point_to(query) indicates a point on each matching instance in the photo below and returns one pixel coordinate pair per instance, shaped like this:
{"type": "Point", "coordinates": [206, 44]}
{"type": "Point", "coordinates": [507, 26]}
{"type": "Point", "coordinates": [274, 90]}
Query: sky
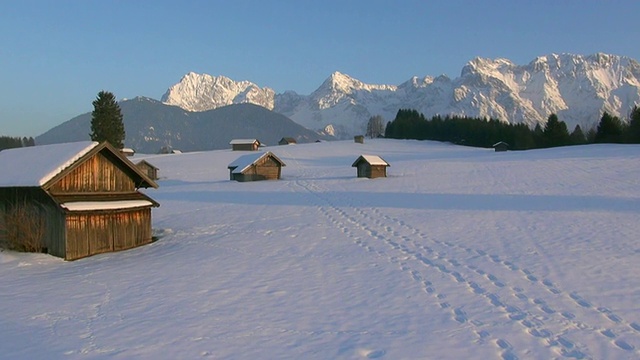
{"type": "Point", "coordinates": [55, 56]}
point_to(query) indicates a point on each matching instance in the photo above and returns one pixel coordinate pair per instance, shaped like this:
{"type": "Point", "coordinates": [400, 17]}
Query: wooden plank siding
{"type": "Point", "coordinates": [364, 170]}
{"type": "Point", "coordinates": [93, 233]}
{"type": "Point", "coordinates": [96, 174]}
{"type": "Point", "coordinates": [371, 171]}
{"type": "Point", "coordinates": [47, 209]}
{"type": "Point", "coordinates": [244, 147]}
{"type": "Point", "coordinates": [148, 169]}
{"type": "Point", "coordinates": [378, 171]}
{"type": "Point", "coordinates": [265, 169]}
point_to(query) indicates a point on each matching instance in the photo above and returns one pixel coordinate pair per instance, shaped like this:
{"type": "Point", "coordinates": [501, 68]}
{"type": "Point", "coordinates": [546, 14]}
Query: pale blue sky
{"type": "Point", "coordinates": [56, 55]}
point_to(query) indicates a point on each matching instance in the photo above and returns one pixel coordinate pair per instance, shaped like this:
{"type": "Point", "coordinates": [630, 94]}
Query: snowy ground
{"type": "Point", "coordinates": [460, 253]}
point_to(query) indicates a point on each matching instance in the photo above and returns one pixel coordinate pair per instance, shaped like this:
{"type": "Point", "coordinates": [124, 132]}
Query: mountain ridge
{"type": "Point", "coordinates": [577, 88]}
{"type": "Point", "coordinates": [151, 125]}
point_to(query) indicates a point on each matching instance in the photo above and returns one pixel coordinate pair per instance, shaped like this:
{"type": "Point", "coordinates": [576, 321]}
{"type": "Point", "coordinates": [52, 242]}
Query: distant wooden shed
{"type": "Point", "coordinates": [169, 150]}
{"type": "Point", "coordinates": [358, 139]}
{"type": "Point", "coordinates": [245, 144]}
{"type": "Point", "coordinates": [287, 141]}
{"type": "Point", "coordinates": [84, 196]}
{"type": "Point", "coordinates": [371, 166]}
{"type": "Point", "coordinates": [149, 169]}
{"type": "Point", "coordinates": [501, 146]}
{"type": "Point", "coordinates": [254, 167]}
{"type": "Point", "coordinates": [128, 151]}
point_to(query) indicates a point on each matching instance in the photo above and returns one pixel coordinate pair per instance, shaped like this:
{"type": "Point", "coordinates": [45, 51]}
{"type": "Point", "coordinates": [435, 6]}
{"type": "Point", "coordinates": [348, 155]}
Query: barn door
{"type": "Point", "coordinates": [88, 234]}
{"type": "Point", "coordinates": [101, 234]}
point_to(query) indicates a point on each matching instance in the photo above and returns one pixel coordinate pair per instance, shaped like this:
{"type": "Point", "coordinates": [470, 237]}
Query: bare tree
{"type": "Point", "coordinates": [375, 126]}
{"type": "Point", "coordinates": [21, 227]}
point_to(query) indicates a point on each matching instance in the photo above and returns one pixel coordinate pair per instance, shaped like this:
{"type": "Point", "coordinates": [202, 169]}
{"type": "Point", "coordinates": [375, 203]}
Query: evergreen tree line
{"type": "Point", "coordinates": [480, 132]}
{"type": "Point", "coordinates": [8, 142]}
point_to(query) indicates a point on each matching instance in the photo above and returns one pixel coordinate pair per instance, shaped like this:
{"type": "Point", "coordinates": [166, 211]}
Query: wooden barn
{"type": "Point", "coordinates": [371, 166]}
{"type": "Point", "coordinates": [358, 139]}
{"type": "Point", "coordinates": [501, 146]}
{"type": "Point", "coordinates": [245, 144]}
{"type": "Point", "coordinates": [287, 141]}
{"type": "Point", "coordinates": [254, 167]}
{"type": "Point", "coordinates": [149, 169]}
{"type": "Point", "coordinates": [84, 196]}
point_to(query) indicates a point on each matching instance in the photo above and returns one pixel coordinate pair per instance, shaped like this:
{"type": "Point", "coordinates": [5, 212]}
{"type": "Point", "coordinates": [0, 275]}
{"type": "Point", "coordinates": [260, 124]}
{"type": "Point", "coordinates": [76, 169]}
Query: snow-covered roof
{"type": "Point", "coordinates": [105, 205]}
{"type": "Point", "coordinates": [243, 162]}
{"type": "Point", "coordinates": [243, 141]}
{"type": "Point", "coordinates": [372, 160]}
{"type": "Point", "coordinates": [36, 165]}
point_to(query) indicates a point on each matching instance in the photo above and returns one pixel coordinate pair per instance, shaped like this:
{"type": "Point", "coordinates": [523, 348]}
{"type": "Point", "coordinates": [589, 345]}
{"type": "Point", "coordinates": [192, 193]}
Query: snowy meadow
{"type": "Point", "coordinates": [460, 253]}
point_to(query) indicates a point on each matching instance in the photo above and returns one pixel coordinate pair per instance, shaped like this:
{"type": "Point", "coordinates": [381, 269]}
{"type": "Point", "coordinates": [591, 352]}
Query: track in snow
{"type": "Point", "coordinates": [551, 316]}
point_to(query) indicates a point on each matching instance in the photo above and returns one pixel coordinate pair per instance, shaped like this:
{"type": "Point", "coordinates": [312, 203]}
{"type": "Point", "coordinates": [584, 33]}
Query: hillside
{"type": "Point", "coordinates": [150, 125]}
{"type": "Point", "coordinates": [461, 253]}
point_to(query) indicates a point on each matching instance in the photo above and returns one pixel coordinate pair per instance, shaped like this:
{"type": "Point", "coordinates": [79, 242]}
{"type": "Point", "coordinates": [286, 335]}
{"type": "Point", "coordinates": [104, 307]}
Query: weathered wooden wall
{"type": "Point", "coordinates": [371, 171]}
{"type": "Point", "coordinates": [147, 169]}
{"type": "Point", "coordinates": [97, 174]}
{"type": "Point", "coordinates": [44, 208]}
{"type": "Point", "coordinates": [364, 170]}
{"type": "Point", "coordinates": [99, 232]}
{"type": "Point", "coordinates": [266, 169]}
{"type": "Point", "coordinates": [244, 147]}
{"type": "Point", "coordinates": [378, 171]}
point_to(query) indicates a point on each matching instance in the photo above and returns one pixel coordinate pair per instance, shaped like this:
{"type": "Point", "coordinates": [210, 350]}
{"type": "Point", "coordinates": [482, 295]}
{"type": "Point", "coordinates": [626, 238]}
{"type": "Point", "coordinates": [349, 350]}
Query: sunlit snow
{"type": "Point", "coordinates": [460, 253]}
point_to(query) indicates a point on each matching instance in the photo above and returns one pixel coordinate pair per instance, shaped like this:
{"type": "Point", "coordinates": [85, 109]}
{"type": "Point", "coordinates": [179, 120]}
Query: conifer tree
{"type": "Point", "coordinates": [555, 132]}
{"type": "Point", "coordinates": [106, 120]}
{"type": "Point", "coordinates": [633, 130]}
{"type": "Point", "coordinates": [609, 129]}
{"type": "Point", "coordinates": [538, 135]}
{"type": "Point", "coordinates": [577, 136]}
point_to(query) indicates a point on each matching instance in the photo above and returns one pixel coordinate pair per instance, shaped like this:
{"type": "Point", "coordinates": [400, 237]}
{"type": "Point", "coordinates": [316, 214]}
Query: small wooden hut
{"type": "Point", "coordinates": [149, 169]}
{"type": "Point", "coordinates": [501, 146]}
{"type": "Point", "coordinates": [254, 167]}
{"type": "Point", "coordinates": [169, 150]}
{"type": "Point", "coordinates": [128, 151]}
{"type": "Point", "coordinates": [245, 144]}
{"type": "Point", "coordinates": [371, 166]}
{"type": "Point", "coordinates": [84, 196]}
{"type": "Point", "coordinates": [358, 139]}
{"type": "Point", "coordinates": [287, 141]}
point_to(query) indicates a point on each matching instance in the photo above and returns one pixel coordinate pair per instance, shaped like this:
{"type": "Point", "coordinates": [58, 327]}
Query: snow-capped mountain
{"type": "Point", "coordinates": [577, 88]}
{"type": "Point", "coordinates": [202, 92]}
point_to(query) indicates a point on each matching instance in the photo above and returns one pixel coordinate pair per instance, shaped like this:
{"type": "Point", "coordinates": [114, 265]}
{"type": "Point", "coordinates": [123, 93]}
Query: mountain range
{"type": "Point", "coordinates": [204, 112]}
{"type": "Point", "coordinates": [577, 88]}
{"type": "Point", "coordinates": [151, 125]}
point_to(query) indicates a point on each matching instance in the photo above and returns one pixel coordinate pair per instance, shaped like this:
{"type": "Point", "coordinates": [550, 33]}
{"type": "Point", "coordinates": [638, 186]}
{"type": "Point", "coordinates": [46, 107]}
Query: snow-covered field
{"type": "Point", "coordinates": [461, 253]}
